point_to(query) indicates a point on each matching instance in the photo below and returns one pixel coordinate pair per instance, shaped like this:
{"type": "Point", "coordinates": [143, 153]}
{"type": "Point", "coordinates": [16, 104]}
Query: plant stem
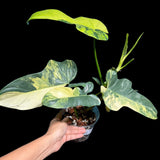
{"type": "Point", "coordinates": [97, 94]}
{"type": "Point", "coordinates": [96, 60]}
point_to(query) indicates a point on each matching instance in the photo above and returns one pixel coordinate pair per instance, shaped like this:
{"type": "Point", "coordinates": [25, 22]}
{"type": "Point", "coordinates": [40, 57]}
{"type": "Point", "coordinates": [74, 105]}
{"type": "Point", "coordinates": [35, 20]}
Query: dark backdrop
{"type": "Point", "coordinates": [27, 49]}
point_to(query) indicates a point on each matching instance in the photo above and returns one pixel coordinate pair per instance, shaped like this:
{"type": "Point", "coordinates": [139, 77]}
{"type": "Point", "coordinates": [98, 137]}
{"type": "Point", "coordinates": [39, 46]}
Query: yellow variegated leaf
{"type": "Point", "coordinates": [89, 26]}
{"type": "Point", "coordinates": [28, 91]}
{"type": "Point", "coordinates": [64, 97]}
{"type": "Point", "coordinates": [24, 100]}
{"type": "Point", "coordinates": [119, 93]}
{"type": "Point", "coordinates": [61, 92]}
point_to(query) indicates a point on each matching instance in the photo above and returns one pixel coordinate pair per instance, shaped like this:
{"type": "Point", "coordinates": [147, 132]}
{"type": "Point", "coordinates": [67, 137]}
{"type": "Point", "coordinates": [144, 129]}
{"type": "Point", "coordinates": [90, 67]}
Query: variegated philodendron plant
{"type": "Point", "coordinates": [52, 86]}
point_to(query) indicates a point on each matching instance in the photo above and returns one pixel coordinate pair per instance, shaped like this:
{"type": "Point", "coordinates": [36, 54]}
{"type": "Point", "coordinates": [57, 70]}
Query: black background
{"type": "Point", "coordinates": [27, 48]}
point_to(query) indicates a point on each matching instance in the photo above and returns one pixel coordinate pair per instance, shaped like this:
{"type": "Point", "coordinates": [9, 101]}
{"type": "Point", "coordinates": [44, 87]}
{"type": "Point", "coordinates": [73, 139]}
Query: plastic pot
{"type": "Point", "coordinates": [89, 128]}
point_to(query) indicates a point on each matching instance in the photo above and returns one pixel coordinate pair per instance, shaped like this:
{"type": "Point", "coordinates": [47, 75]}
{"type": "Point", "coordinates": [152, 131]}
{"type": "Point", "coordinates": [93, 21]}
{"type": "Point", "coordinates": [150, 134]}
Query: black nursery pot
{"type": "Point", "coordinates": [89, 128]}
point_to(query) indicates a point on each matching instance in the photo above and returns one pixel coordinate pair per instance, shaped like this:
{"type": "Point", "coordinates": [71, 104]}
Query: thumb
{"type": "Point", "coordinates": [67, 120]}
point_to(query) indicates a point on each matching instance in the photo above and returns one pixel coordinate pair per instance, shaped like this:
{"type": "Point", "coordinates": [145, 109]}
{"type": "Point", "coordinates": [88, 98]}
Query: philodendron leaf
{"type": "Point", "coordinates": [96, 80]}
{"type": "Point", "coordinates": [64, 97]}
{"type": "Point", "coordinates": [28, 91]}
{"type": "Point", "coordinates": [89, 26]}
{"type": "Point", "coordinates": [87, 87]}
{"type": "Point", "coordinates": [119, 93]}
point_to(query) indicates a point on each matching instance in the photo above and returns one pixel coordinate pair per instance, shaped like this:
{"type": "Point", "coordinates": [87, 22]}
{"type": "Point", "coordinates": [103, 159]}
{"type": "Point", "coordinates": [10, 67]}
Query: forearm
{"type": "Point", "coordinates": [57, 134]}
{"type": "Point", "coordinates": [35, 150]}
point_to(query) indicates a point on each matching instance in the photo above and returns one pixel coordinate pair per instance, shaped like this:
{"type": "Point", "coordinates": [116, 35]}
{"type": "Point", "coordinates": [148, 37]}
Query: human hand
{"type": "Point", "coordinates": [60, 132]}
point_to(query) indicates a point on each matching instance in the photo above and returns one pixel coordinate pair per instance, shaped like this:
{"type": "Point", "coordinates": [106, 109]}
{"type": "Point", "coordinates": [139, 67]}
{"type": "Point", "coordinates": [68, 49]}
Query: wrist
{"type": "Point", "coordinates": [49, 144]}
{"type": "Point", "coordinates": [45, 149]}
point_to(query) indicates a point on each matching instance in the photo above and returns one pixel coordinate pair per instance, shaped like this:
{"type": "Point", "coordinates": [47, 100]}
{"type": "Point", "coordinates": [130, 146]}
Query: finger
{"type": "Point", "coordinates": [74, 136]}
{"type": "Point", "coordinates": [75, 130]}
{"type": "Point", "coordinates": [59, 115]}
{"type": "Point", "coordinates": [67, 120]}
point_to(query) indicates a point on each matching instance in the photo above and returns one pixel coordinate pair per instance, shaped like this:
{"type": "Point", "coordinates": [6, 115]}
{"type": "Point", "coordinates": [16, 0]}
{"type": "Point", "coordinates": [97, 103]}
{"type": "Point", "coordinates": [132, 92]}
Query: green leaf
{"type": "Point", "coordinates": [125, 54]}
{"type": "Point", "coordinates": [96, 80]}
{"type": "Point", "coordinates": [65, 97]}
{"type": "Point", "coordinates": [119, 93]}
{"type": "Point", "coordinates": [87, 87]}
{"type": "Point", "coordinates": [28, 91]}
{"type": "Point", "coordinates": [89, 26]}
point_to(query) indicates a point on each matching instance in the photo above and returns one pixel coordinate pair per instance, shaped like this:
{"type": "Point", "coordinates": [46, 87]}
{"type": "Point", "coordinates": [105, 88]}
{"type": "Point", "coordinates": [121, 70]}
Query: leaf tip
{"type": "Point", "coordinates": [27, 22]}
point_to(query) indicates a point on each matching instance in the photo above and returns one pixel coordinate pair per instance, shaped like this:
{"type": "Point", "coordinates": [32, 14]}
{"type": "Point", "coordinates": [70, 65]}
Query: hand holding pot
{"type": "Point", "coordinates": [60, 132]}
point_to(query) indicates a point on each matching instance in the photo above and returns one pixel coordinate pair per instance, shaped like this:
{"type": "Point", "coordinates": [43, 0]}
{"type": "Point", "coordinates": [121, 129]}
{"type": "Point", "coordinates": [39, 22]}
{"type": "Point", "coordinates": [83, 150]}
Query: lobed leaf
{"type": "Point", "coordinates": [119, 93]}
